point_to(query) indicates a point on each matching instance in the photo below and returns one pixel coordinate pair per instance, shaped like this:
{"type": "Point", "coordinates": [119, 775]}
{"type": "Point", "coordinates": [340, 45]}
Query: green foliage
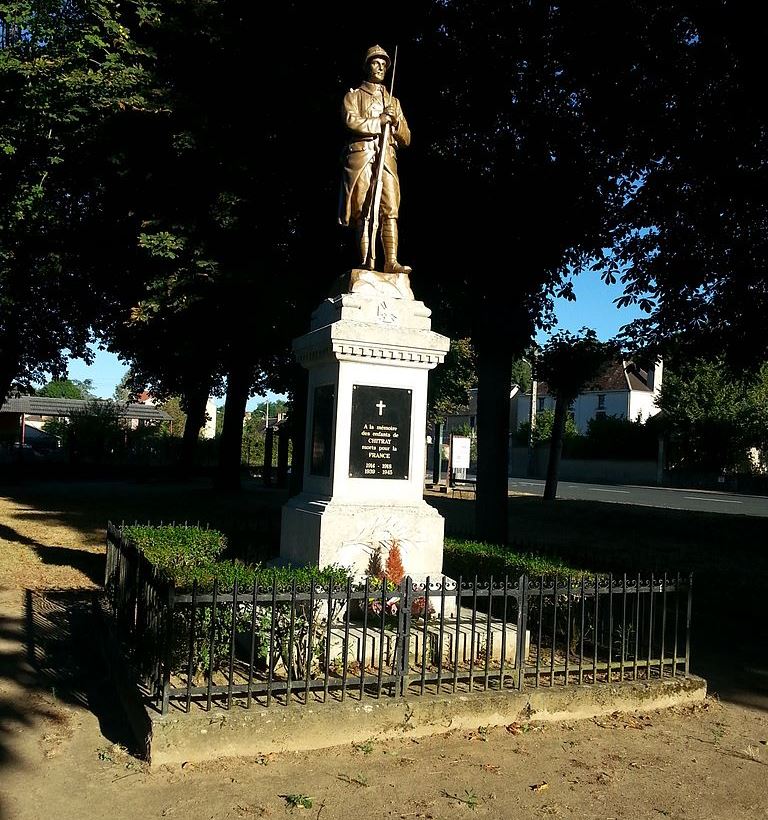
{"type": "Point", "coordinates": [67, 389]}
{"type": "Point", "coordinates": [543, 432]}
{"type": "Point", "coordinates": [173, 407]}
{"type": "Point", "coordinates": [715, 416]}
{"type": "Point", "coordinates": [470, 558]}
{"type": "Point", "coordinates": [97, 434]}
{"type": "Point", "coordinates": [69, 73]}
{"type": "Point", "coordinates": [521, 374]}
{"type": "Point", "coordinates": [570, 362]}
{"type": "Point", "coordinates": [176, 548]}
{"type": "Point", "coordinates": [298, 801]}
{"type": "Point", "coordinates": [616, 437]}
{"type": "Point", "coordinates": [449, 384]}
{"type": "Point", "coordinates": [610, 437]}
{"type": "Point", "coordinates": [188, 555]}
{"type": "Point", "coordinates": [254, 433]}
{"type": "Point", "coordinates": [122, 393]}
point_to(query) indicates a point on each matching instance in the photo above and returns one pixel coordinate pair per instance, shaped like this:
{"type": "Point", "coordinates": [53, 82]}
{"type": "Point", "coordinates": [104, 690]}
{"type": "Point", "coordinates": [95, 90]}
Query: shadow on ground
{"type": "Point", "coordinates": [63, 652]}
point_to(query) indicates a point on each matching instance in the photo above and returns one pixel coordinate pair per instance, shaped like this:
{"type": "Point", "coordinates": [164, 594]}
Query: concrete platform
{"type": "Point", "coordinates": [178, 737]}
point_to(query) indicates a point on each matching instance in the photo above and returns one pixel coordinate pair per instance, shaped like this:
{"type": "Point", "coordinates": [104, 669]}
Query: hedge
{"type": "Point", "coordinates": [470, 558]}
{"type": "Point", "coordinates": [186, 554]}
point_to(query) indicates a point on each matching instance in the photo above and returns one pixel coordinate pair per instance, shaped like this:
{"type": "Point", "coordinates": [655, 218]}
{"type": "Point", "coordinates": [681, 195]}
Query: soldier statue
{"type": "Point", "coordinates": [370, 191]}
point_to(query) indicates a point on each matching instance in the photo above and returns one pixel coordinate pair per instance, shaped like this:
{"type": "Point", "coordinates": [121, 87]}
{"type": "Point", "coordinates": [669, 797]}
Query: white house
{"type": "Point", "coordinates": [623, 389]}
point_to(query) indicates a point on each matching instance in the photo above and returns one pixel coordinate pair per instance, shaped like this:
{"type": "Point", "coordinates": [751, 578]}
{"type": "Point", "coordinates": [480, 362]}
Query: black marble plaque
{"type": "Point", "coordinates": [380, 439]}
{"type": "Point", "coordinates": [322, 430]}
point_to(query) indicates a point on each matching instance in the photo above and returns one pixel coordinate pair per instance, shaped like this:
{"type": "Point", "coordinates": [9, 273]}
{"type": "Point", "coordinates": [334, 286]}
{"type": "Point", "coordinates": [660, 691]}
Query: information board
{"type": "Point", "coordinates": [461, 451]}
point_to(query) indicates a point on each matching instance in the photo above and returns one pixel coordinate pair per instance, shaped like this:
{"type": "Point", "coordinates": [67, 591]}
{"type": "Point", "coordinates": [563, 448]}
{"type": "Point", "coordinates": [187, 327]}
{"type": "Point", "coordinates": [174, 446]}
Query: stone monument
{"type": "Point", "coordinates": [368, 352]}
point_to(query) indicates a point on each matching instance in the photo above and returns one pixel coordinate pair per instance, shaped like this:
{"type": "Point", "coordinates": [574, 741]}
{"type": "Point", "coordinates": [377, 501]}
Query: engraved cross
{"type": "Point", "coordinates": [381, 406]}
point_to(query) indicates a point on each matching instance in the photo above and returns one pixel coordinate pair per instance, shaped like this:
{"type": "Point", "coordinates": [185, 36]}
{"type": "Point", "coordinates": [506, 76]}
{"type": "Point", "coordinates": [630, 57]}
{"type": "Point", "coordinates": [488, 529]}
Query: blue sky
{"type": "Point", "coordinates": [593, 308]}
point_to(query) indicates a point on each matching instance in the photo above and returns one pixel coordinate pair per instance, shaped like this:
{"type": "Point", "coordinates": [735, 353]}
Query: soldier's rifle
{"type": "Point", "coordinates": [372, 220]}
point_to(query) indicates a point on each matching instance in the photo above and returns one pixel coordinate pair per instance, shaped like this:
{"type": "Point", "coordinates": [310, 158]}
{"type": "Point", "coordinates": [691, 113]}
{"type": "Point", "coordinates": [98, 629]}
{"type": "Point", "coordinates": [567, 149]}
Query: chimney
{"type": "Point", "coordinates": [655, 375]}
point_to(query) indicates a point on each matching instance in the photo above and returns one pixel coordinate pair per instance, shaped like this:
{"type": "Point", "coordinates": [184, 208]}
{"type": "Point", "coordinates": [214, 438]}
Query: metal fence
{"type": "Point", "coordinates": [201, 648]}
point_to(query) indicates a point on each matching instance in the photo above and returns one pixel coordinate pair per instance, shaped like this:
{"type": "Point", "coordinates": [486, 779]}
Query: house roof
{"type": "Point", "coordinates": [620, 375]}
{"type": "Point", "coordinates": [45, 406]}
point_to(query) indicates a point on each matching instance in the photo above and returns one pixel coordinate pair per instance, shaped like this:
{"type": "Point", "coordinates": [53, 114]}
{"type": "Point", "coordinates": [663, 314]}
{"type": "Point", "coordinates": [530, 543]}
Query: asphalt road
{"type": "Point", "coordinates": [699, 500]}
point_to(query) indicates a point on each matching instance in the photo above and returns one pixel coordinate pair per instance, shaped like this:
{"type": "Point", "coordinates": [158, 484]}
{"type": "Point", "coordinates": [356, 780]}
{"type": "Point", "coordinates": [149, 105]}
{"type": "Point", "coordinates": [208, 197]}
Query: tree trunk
{"type": "Point", "coordinates": [230, 449]}
{"type": "Point", "coordinates": [494, 359]}
{"type": "Point", "coordinates": [9, 363]}
{"type": "Point", "coordinates": [297, 425]}
{"type": "Point", "coordinates": [556, 448]}
{"type": "Point", "coordinates": [194, 402]}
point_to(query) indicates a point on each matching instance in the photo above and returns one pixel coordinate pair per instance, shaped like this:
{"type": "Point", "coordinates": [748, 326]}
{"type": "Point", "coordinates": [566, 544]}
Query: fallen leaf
{"type": "Point", "coordinates": [539, 787]}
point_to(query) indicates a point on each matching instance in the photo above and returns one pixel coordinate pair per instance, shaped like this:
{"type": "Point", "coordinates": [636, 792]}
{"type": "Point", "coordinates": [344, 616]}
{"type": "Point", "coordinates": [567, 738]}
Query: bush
{"type": "Point", "coordinates": [185, 555]}
{"type": "Point", "coordinates": [616, 437]}
{"type": "Point", "coordinates": [543, 432]}
{"type": "Point", "coordinates": [176, 549]}
{"type": "Point", "coordinates": [470, 558]}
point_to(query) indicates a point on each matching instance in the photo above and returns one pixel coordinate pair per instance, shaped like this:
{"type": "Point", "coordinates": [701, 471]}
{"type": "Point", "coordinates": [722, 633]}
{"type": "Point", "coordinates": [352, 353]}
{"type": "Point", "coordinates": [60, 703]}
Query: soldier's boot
{"type": "Point", "coordinates": [361, 233]}
{"type": "Point", "coordinates": [389, 241]}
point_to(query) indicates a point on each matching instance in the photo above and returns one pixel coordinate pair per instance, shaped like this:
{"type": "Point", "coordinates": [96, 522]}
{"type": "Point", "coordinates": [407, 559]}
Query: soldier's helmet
{"type": "Point", "coordinates": [377, 51]}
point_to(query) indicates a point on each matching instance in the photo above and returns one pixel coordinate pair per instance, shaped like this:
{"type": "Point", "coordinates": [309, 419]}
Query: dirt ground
{"type": "Point", "coordinates": [63, 745]}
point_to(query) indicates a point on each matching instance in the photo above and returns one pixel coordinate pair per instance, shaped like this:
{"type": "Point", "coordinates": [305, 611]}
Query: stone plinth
{"type": "Point", "coordinates": [368, 353]}
{"type": "Point", "coordinates": [472, 645]}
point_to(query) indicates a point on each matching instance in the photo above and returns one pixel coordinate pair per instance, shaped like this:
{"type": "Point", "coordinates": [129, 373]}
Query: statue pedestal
{"type": "Point", "coordinates": [368, 354]}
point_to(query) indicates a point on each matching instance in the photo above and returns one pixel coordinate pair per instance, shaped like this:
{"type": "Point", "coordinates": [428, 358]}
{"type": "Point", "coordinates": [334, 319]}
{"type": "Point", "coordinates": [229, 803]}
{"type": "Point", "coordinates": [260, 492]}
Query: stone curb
{"type": "Point", "coordinates": [178, 737]}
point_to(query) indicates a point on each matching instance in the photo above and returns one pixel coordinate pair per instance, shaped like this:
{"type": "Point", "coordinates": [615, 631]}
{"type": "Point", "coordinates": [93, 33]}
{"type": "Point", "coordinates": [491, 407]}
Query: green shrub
{"type": "Point", "coordinates": [186, 555]}
{"type": "Point", "coordinates": [470, 558]}
{"type": "Point", "coordinates": [176, 550]}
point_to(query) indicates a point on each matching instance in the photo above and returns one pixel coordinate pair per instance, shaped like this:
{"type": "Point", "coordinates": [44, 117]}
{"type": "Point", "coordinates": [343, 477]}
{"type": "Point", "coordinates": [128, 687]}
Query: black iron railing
{"type": "Point", "coordinates": [268, 644]}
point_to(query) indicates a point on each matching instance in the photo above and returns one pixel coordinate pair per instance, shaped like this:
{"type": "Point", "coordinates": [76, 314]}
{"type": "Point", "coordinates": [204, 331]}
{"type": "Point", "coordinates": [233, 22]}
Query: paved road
{"type": "Point", "coordinates": [675, 499]}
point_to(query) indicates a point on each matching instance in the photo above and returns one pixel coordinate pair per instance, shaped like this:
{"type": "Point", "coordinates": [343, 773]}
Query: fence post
{"type": "Point", "coordinates": [522, 625]}
{"type": "Point", "coordinates": [168, 648]}
{"type": "Point", "coordinates": [405, 634]}
{"type": "Point", "coordinates": [688, 626]}
{"type": "Point", "coordinates": [269, 443]}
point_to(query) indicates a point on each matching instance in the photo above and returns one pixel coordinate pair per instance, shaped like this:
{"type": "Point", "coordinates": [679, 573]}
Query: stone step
{"type": "Point", "coordinates": [455, 640]}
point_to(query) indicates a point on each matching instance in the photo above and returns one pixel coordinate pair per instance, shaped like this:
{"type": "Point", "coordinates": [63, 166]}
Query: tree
{"type": "Point", "coordinates": [713, 416]}
{"type": "Point", "coordinates": [542, 111]}
{"type": "Point", "coordinates": [67, 71]}
{"type": "Point", "coordinates": [67, 389]}
{"type": "Point", "coordinates": [691, 245]}
{"type": "Point", "coordinates": [545, 422]}
{"type": "Point", "coordinates": [450, 383]}
{"type": "Point", "coordinates": [522, 373]}
{"type": "Point", "coordinates": [123, 390]}
{"type": "Point", "coordinates": [568, 364]}
{"type": "Point", "coordinates": [176, 426]}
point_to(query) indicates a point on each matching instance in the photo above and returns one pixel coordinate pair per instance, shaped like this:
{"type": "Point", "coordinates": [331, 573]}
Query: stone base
{"type": "Point", "coordinates": [374, 284]}
{"type": "Point", "coordinates": [319, 531]}
{"type": "Point", "coordinates": [456, 638]}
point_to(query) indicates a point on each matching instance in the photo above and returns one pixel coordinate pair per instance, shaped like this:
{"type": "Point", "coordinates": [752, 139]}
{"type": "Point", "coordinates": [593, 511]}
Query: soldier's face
{"type": "Point", "coordinates": [377, 68]}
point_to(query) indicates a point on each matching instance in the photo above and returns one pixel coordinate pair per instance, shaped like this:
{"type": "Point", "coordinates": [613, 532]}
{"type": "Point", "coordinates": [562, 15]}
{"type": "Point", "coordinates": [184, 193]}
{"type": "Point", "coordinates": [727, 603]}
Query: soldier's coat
{"type": "Point", "coordinates": [362, 108]}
